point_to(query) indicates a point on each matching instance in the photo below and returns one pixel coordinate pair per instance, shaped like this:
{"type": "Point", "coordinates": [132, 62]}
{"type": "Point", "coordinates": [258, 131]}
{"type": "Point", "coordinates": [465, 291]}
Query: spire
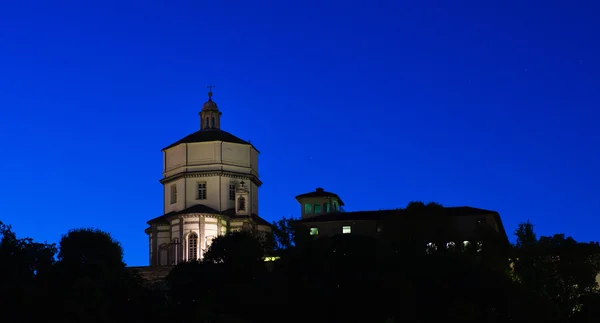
{"type": "Point", "coordinates": [210, 116]}
{"type": "Point", "coordinates": [210, 87]}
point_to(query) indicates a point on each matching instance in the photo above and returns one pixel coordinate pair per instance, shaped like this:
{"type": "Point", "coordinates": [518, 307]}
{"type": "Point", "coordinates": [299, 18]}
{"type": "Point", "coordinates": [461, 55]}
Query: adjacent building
{"type": "Point", "coordinates": [432, 228]}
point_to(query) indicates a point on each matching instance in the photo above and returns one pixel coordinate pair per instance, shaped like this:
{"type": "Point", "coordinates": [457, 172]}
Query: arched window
{"type": "Point", "coordinates": [451, 246]}
{"type": "Point", "coordinates": [431, 248]}
{"type": "Point", "coordinates": [213, 122]}
{"type": "Point", "coordinates": [163, 255]}
{"type": "Point", "coordinates": [241, 204]}
{"type": "Point", "coordinates": [207, 122]}
{"type": "Point", "coordinates": [327, 207]}
{"type": "Point", "coordinates": [193, 247]}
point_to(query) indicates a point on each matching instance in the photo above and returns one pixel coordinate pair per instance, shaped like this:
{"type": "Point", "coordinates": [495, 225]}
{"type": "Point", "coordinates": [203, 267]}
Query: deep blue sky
{"type": "Point", "coordinates": [383, 102]}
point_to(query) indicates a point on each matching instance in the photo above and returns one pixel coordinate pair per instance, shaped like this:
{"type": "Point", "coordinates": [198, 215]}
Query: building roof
{"type": "Point", "coordinates": [201, 208]}
{"type": "Point", "coordinates": [408, 217]}
{"type": "Point", "coordinates": [206, 135]}
{"type": "Point", "coordinates": [385, 214]}
{"type": "Point", "coordinates": [319, 192]}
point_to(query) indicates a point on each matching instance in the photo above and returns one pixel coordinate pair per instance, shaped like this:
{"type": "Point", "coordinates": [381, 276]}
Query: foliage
{"type": "Point", "coordinates": [556, 268]}
{"type": "Point", "coordinates": [525, 235]}
{"type": "Point", "coordinates": [346, 278]}
{"type": "Point", "coordinates": [287, 233]}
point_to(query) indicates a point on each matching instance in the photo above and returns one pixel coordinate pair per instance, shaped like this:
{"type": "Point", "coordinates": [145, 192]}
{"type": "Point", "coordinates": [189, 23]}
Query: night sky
{"type": "Point", "coordinates": [490, 104]}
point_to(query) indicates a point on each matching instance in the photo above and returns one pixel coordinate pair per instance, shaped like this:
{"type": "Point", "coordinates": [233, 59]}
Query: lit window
{"type": "Point", "coordinates": [317, 208]}
{"type": "Point", "coordinates": [314, 231]}
{"type": "Point", "coordinates": [307, 208]}
{"type": "Point", "coordinates": [431, 248]}
{"type": "Point", "coordinates": [241, 204]}
{"type": "Point", "coordinates": [223, 230]}
{"type": "Point", "coordinates": [451, 246]}
{"type": "Point", "coordinates": [202, 191]}
{"type": "Point", "coordinates": [346, 229]}
{"type": "Point", "coordinates": [193, 247]}
{"type": "Point", "coordinates": [232, 192]}
{"type": "Point", "coordinates": [327, 207]}
{"type": "Point", "coordinates": [173, 194]}
{"type": "Point", "coordinates": [466, 245]}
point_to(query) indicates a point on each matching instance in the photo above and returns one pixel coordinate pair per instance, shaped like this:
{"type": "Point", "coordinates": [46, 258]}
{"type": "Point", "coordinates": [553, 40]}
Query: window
{"type": "Point", "coordinates": [335, 205]}
{"type": "Point", "coordinates": [223, 229]}
{"type": "Point", "coordinates": [173, 194]}
{"type": "Point", "coordinates": [232, 192]}
{"type": "Point", "coordinates": [174, 251]}
{"type": "Point", "coordinates": [346, 229]}
{"type": "Point", "coordinates": [206, 122]}
{"type": "Point", "coordinates": [241, 204]}
{"type": "Point", "coordinates": [327, 207]}
{"type": "Point", "coordinates": [213, 122]}
{"type": "Point", "coordinates": [163, 256]}
{"type": "Point", "coordinates": [430, 248]}
{"type": "Point", "coordinates": [202, 191]}
{"type": "Point", "coordinates": [466, 245]}
{"type": "Point", "coordinates": [193, 247]}
{"type": "Point", "coordinates": [307, 208]}
{"type": "Point", "coordinates": [317, 208]}
{"type": "Point", "coordinates": [451, 246]}
{"type": "Point", "coordinates": [314, 231]}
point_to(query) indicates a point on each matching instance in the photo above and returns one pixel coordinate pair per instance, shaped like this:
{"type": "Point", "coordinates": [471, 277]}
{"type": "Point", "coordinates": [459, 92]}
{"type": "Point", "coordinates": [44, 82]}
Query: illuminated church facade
{"type": "Point", "coordinates": [210, 187]}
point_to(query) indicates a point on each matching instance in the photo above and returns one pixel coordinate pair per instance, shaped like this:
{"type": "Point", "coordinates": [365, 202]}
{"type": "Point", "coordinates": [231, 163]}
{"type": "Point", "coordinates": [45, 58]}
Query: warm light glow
{"type": "Point", "coordinates": [271, 258]}
{"type": "Point", "coordinates": [346, 229]}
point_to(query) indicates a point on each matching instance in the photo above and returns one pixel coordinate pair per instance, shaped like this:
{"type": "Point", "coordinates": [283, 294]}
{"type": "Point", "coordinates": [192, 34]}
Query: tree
{"type": "Point", "coordinates": [25, 269]}
{"type": "Point", "coordinates": [91, 281]}
{"type": "Point", "coordinates": [288, 233]}
{"type": "Point", "coordinates": [557, 268]}
{"type": "Point", "coordinates": [525, 235]}
{"type": "Point", "coordinates": [235, 248]}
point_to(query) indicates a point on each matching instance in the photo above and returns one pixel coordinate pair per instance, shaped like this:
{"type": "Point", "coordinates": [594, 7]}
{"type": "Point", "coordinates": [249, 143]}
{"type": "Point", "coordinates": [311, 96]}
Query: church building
{"type": "Point", "coordinates": [210, 187]}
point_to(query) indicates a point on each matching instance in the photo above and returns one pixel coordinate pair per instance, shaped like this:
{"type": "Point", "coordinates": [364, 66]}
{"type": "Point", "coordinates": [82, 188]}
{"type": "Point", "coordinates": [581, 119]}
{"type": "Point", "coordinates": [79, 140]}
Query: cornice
{"type": "Point", "coordinates": [190, 215]}
{"type": "Point", "coordinates": [223, 173]}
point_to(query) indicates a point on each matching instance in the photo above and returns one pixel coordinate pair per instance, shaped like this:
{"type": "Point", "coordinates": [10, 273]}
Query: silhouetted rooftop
{"type": "Point", "coordinates": [319, 192]}
{"type": "Point", "coordinates": [385, 214]}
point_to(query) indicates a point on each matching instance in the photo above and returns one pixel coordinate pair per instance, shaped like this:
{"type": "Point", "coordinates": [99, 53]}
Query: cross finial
{"type": "Point", "coordinates": [210, 87]}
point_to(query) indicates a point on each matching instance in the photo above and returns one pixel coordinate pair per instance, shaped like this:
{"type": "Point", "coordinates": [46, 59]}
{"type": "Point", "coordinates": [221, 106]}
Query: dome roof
{"type": "Point", "coordinates": [208, 135]}
{"type": "Point", "coordinates": [210, 105]}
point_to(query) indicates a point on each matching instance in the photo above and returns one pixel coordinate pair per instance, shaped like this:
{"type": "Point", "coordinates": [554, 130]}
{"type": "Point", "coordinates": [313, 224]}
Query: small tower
{"type": "Point", "coordinates": [242, 199]}
{"type": "Point", "coordinates": [319, 202]}
{"type": "Point", "coordinates": [210, 116]}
